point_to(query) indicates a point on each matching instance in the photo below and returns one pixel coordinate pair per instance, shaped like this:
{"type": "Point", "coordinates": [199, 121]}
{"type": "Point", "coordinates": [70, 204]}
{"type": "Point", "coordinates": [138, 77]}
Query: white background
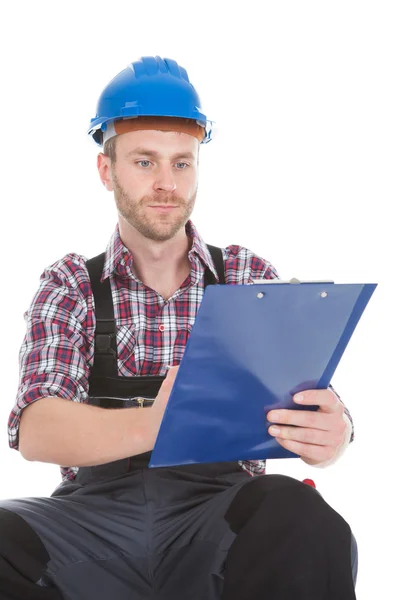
{"type": "Point", "coordinates": [304, 171]}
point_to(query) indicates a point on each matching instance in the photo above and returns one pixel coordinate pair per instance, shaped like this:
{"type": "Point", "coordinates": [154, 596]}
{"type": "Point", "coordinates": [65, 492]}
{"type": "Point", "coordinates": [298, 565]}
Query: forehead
{"type": "Point", "coordinates": [164, 144]}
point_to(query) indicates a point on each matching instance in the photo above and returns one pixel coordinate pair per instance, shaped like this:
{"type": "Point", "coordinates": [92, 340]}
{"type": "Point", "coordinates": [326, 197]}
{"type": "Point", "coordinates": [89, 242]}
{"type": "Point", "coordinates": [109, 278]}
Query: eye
{"type": "Point", "coordinates": [144, 161]}
{"type": "Point", "coordinates": [184, 165]}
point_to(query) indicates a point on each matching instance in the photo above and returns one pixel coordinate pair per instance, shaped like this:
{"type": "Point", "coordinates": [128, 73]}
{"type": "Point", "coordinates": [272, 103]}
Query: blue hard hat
{"type": "Point", "coordinates": [151, 86]}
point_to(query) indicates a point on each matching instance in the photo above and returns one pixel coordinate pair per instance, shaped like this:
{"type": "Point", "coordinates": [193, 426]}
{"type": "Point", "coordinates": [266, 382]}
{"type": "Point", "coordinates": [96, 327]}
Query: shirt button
{"type": "Point", "coordinates": [161, 328]}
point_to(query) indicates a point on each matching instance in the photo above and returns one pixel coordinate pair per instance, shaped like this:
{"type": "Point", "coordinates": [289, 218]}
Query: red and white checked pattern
{"type": "Point", "coordinates": [58, 348]}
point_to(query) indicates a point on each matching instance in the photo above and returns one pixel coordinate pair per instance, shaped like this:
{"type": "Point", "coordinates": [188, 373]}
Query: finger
{"type": "Point", "coordinates": [325, 399]}
{"type": "Point", "coordinates": [170, 377]}
{"type": "Point", "coordinates": [307, 436]}
{"type": "Point", "coordinates": [301, 418]}
{"type": "Point", "coordinates": [310, 451]}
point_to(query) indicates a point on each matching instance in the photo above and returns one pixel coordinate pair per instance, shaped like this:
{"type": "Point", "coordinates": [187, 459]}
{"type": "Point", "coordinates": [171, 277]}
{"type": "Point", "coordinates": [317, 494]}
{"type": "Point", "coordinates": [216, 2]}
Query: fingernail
{"type": "Point", "coordinates": [299, 398]}
{"type": "Point", "coordinates": [274, 430]}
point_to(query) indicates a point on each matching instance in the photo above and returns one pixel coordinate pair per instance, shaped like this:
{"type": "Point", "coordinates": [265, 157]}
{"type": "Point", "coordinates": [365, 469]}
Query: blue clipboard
{"type": "Point", "coordinates": [252, 347]}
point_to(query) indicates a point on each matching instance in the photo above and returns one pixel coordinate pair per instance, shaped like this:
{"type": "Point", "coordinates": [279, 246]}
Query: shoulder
{"type": "Point", "coordinates": [66, 282]}
{"type": "Point", "coordinates": [69, 271]}
{"type": "Point", "coordinates": [243, 266]}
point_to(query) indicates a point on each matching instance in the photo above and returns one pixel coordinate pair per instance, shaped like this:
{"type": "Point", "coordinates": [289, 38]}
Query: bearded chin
{"type": "Point", "coordinates": [134, 213]}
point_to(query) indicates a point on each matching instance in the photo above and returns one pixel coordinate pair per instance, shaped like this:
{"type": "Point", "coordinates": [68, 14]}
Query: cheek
{"type": "Point", "coordinates": [190, 182]}
{"type": "Point", "coordinates": [135, 182]}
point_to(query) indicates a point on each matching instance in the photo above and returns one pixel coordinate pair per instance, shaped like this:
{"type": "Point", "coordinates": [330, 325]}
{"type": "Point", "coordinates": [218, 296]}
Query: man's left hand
{"type": "Point", "coordinates": [317, 435]}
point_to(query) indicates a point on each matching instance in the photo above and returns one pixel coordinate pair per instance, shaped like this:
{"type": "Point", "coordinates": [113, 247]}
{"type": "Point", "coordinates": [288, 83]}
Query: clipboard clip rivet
{"type": "Point", "coordinates": [260, 295]}
{"type": "Point", "coordinates": [323, 294]}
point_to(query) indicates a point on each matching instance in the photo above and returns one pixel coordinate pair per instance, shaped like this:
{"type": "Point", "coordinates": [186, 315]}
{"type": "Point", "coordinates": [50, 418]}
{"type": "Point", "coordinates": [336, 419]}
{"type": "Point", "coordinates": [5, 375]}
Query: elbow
{"type": "Point", "coordinates": [26, 455]}
{"type": "Point", "coordinates": [24, 446]}
{"type": "Point", "coordinates": [27, 436]}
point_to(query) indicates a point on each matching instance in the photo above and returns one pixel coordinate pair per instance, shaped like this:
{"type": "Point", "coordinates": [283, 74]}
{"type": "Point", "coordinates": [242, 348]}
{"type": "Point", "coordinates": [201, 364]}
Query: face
{"type": "Point", "coordinates": [154, 180]}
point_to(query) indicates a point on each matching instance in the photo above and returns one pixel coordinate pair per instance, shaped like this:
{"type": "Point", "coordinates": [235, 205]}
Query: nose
{"type": "Point", "coordinates": [165, 180]}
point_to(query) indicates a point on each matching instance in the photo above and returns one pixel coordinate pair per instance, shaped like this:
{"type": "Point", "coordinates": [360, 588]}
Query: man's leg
{"type": "Point", "coordinates": [354, 559]}
{"type": "Point", "coordinates": [290, 544]}
{"type": "Point", "coordinates": [72, 548]}
{"type": "Point", "coordinates": [23, 560]}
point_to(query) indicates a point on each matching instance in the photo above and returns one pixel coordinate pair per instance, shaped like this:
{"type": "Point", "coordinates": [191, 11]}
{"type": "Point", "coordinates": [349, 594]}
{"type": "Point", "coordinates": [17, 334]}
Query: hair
{"type": "Point", "coordinates": [110, 149]}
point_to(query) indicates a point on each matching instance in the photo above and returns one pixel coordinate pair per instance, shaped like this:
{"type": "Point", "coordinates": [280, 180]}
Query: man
{"type": "Point", "coordinates": [101, 335]}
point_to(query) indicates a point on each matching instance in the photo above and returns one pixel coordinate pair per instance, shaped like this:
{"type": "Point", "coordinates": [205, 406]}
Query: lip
{"type": "Point", "coordinates": [163, 208]}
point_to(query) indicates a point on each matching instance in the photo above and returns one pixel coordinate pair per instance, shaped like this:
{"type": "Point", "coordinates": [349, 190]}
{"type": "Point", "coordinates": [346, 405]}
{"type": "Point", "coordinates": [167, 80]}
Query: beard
{"type": "Point", "coordinates": [158, 227]}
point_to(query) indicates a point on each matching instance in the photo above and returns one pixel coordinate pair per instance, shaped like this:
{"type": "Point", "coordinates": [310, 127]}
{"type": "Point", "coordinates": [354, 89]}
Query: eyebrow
{"type": "Point", "coordinates": [154, 154]}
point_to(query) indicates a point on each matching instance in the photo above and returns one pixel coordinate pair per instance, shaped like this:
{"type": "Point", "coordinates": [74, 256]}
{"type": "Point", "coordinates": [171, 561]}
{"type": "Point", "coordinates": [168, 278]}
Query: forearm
{"type": "Point", "coordinates": [68, 433]}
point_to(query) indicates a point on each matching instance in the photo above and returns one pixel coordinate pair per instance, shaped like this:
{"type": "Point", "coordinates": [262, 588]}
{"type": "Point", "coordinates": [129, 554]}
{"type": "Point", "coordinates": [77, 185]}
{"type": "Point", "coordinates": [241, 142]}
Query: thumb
{"type": "Point", "coordinates": [170, 377]}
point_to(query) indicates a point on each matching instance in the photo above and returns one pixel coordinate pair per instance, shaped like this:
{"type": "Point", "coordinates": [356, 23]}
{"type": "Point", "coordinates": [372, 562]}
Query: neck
{"type": "Point", "coordinates": [159, 265]}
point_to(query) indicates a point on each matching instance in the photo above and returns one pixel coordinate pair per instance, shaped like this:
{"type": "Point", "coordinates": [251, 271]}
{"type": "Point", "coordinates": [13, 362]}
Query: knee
{"type": "Point", "coordinates": [271, 505]}
{"type": "Point", "coordinates": [7, 523]}
{"type": "Point", "coordinates": [17, 537]}
{"type": "Point", "coordinates": [278, 495]}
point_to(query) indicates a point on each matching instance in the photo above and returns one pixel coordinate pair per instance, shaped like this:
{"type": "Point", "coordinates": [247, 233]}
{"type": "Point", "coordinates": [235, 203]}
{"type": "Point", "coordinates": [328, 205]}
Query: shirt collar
{"type": "Point", "coordinates": [118, 259]}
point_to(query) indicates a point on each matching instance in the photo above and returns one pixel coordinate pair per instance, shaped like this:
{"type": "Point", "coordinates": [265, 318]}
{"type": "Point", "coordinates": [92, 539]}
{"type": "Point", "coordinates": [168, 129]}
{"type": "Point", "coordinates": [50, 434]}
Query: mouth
{"type": "Point", "coordinates": [163, 208]}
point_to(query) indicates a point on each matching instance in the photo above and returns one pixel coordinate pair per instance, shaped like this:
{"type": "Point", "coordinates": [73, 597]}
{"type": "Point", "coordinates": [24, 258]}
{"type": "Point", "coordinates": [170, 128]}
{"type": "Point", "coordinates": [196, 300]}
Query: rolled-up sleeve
{"type": "Point", "coordinates": [55, 355]}
{"type": "Point", "coordinates": [346, 412]}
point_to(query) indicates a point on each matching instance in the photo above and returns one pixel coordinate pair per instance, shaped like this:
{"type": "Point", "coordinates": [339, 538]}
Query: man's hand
{"type": "Point", "coordinates": [317, 435]}
{"type": "Point", "coordinates": [160, 402]}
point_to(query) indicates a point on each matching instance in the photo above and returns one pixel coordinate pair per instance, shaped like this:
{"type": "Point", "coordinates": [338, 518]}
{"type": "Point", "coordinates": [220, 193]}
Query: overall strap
{"type": "Point", "coordinates": [218, 260]}
{"type": "Point", "coordinates": [105, 345]}
{"type": "Point", "coordinates": [105, 348]}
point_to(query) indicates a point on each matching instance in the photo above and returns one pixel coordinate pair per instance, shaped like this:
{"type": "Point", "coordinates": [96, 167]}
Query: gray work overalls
{"type": "Point", "coordinates": [122, 531]}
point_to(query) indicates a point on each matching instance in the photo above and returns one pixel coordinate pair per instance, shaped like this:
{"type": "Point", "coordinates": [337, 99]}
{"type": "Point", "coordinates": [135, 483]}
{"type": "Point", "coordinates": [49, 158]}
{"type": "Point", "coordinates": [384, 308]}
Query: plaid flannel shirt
{"type": "Point", "coordinates": [58, 348]}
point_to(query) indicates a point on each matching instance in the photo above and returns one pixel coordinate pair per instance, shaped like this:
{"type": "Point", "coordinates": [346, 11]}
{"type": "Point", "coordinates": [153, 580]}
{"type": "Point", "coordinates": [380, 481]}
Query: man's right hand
{"type": "Point", "coordinates": [160, 403]}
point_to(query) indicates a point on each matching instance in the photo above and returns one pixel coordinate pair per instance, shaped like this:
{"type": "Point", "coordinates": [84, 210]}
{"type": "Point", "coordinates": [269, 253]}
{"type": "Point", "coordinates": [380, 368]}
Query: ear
{"type": "Point", "coordinates": [104, 169]}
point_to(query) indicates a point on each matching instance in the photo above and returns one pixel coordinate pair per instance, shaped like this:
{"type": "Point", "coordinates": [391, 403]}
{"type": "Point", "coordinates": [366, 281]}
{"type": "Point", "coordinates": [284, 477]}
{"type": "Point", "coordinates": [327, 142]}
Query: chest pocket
{"type": "Point", "coordinates": [180, 341]}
